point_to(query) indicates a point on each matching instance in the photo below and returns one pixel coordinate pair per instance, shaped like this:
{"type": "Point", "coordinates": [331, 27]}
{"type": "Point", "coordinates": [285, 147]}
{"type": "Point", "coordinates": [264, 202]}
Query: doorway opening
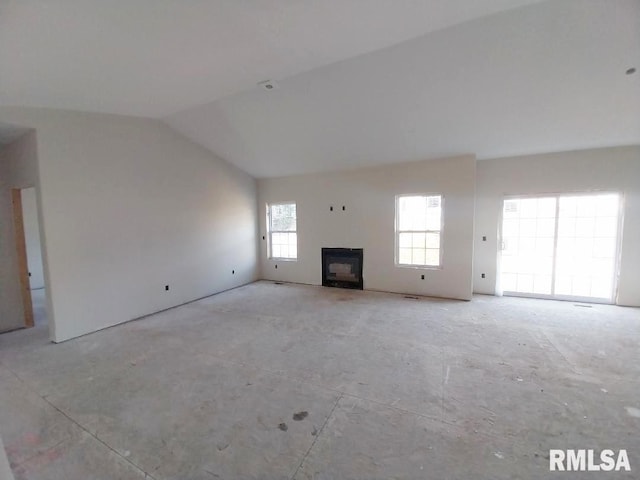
{"type": "Point", "coordinates": [29, 253]}
{"type": "Point", "coordinates": [561, 246]}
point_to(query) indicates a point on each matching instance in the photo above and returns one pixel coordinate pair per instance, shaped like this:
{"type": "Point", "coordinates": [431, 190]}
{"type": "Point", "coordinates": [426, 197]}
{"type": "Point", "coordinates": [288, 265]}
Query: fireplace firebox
{"type": "Point", "coordinates": [342, 268]}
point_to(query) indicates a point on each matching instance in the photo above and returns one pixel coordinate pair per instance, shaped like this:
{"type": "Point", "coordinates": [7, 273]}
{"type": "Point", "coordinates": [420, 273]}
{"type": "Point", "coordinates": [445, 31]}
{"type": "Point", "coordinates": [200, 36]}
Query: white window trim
{"type": "Point", "coordinates": [270, 232]}
{"type": "Point", "coordinates": [398, 231]}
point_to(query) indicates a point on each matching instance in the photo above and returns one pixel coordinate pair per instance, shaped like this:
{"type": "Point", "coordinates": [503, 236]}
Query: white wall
{"type": "Point", "coordinates": [128, 206]}
{"type": "Point", "coordinates": [32, 237]}
{"type": "Point", "coordinates": [18, 169]}
{"type": "Point", "coordinates": [612, 169]}
{"type": "Point", "coordinates": [368, 222]}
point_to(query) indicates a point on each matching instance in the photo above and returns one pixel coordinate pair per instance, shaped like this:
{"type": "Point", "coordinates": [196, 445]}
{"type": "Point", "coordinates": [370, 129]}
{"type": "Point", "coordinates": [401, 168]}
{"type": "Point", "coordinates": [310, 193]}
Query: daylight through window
{"type": "Point", "coordinates": [283, 237]}
{"type": "Point", "coordinates": [418, 230]}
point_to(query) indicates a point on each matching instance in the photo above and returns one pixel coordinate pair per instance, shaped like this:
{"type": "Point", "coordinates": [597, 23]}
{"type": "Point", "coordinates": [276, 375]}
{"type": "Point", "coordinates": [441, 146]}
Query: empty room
{"type": "Point", "coordinates": [323, 239]}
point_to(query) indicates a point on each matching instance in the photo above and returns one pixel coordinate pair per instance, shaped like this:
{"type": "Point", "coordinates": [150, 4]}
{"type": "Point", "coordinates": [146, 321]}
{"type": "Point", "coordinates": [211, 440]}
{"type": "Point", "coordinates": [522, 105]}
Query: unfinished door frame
{"type": "Point", "coordinates": [618, 248]}
{"type": "Point", "coordinates": [21, 250]}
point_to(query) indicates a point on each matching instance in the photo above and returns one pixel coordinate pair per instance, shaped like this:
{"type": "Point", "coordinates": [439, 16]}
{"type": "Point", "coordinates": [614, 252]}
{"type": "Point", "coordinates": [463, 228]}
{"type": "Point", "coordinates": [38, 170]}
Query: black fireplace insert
{"type": "Point", "coordinates": [342, 267]}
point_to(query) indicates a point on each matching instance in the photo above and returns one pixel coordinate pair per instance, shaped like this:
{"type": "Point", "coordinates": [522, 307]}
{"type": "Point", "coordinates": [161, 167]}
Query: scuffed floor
{"type": "Point", "coordinates": [287, 381]}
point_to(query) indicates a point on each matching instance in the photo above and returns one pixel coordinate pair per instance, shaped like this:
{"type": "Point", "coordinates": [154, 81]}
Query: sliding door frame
{"type": "Point", "coordinates": [618, 248]}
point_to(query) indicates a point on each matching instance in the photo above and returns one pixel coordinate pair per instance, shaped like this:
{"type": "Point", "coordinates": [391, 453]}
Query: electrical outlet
{"type": "Point", "coordinates": [343, 208]}
{"type": "Point", "coordinates": [422, 277]}
{"type": "Point", "coordinates": [483, 275]}
{"type": "Point", "coordinates": [166, 288]}
{"type": "Point", "coordinates": [233, 272]}
{"type": "Point", "coordinates": [276, 266]}
{"type": "Point", "coordinates": [484, 238]}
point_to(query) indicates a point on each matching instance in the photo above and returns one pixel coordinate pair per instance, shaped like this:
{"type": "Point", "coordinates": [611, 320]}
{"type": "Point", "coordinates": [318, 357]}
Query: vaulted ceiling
{"type": "Point", "coordinates": [361, 82]}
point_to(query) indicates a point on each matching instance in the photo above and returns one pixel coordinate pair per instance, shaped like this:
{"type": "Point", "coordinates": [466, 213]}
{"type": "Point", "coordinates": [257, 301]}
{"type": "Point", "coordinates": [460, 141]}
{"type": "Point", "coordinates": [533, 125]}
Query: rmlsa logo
{"type": "Point", "coordinates": [586, 461]}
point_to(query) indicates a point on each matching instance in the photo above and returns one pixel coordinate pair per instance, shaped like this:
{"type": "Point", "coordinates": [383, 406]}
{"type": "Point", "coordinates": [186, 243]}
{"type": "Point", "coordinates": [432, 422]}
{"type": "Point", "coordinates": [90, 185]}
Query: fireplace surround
{"type": "Point", "coordinates": [342, 268]}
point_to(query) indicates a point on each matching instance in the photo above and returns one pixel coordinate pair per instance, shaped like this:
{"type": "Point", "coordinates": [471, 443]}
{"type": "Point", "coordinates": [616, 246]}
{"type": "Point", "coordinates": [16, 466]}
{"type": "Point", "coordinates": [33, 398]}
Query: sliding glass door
{"type": "Point", "coordinates": [561, 246]}
{"type": "Point", "coordinates": [528, 245]}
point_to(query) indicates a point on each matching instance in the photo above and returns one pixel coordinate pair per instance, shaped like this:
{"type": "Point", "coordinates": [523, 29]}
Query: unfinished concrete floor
{"type": "Point", "coordinates": [287, 381]}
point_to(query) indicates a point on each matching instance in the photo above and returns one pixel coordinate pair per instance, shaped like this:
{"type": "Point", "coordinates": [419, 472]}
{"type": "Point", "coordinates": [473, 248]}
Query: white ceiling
{"type": "Point", "coordinates": [549, 77]}
{"type": "Point", "coordinates": [362, 82]}
{"type": "Point", "coordinates": [156, 57]}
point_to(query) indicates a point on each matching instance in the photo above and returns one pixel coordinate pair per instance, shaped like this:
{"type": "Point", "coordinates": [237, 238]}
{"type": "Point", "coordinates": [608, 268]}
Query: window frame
{"type": "Point", "coordinates": [426, 231]}
{"type": "Point", "coordinates": [270, 232]}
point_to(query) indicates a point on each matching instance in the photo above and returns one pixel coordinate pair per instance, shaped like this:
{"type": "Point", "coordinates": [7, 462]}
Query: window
{"type": "Point", "coordinates": [283, 237]}
{"type": "Point", "coordinates": [418, 230]}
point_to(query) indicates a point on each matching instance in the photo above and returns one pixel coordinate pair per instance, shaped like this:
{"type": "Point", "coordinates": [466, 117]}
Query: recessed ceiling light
{"type": "Point", "coordinates": [268, 85]}
{"type": "Point", "coordinates": [630, 71]}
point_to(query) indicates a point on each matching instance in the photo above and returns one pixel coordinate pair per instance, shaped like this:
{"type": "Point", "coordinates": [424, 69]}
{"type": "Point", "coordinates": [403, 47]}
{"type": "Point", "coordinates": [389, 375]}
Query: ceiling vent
{"type": "Point", "coordinates": [268, 85]}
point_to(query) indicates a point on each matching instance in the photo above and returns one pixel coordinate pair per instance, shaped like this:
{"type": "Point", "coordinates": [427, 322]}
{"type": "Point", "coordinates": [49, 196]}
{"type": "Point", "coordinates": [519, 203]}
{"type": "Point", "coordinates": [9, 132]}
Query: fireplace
{"type": "Point", "coordinates": [342, 267]}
